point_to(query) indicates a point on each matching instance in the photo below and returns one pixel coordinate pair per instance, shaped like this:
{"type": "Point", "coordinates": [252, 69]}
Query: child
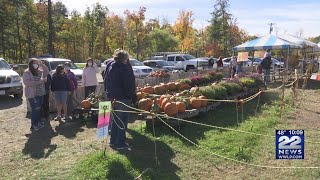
{"type": "Point", "coordinates": [60, 86]}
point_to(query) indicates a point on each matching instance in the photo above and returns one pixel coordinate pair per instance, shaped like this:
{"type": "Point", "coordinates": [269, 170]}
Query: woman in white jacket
{"type": "Point", "coordinates": [89, 77]}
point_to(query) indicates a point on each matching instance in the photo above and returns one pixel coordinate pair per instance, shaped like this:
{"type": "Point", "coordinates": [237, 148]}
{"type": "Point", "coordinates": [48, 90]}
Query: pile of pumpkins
{"type": "Point", "coordinates": [163, 88]}
{"type": "Point", "coordinates": [159, 74]}
{"type": "Point", "coordinates": [92, 101]}
{"type": "Point", "coordinates": [172, 105]}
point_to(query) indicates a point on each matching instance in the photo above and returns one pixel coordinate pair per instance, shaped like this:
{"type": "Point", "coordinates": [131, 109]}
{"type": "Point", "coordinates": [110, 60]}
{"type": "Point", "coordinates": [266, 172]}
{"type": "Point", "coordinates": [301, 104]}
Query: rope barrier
{"type": "Point", "coordinates": [206, 125]}
{"type": "Point", "coordinates": [234, 160]}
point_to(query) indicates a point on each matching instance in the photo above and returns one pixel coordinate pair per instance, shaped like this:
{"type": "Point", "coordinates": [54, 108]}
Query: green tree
{"type": "Point", "coordinates": [219, 27]}
{"type": "Point", "coordinates": [160, 40]}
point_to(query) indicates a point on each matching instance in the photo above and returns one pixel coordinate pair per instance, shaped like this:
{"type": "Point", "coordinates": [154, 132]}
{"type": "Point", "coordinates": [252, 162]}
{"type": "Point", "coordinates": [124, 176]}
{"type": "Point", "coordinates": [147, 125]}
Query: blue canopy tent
{"type": "Point", "coordinates": [267, 42]}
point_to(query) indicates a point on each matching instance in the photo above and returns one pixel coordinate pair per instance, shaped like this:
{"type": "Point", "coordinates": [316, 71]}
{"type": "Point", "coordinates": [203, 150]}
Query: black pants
{"type": "Point", "coordinates": [45, 106]}
{"type": "Point", "coordinates": [88, 90]}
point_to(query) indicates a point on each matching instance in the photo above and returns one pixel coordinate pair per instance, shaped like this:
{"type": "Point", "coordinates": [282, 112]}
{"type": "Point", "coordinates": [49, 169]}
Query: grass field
{"type": "Point", "coordinates": [178, 159]}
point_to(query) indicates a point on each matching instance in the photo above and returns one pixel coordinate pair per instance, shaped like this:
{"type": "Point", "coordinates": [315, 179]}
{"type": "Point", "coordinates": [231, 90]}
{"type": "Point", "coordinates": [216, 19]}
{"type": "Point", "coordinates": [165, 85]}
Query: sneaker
{"type": "Point", "coordinates": [58, 118]}
{"type": "Point", "coordinates": [40, 125]}
{"type": "Point", "coordinates": [112, 145]}
{"type": "Point", "coordinates": [125, 147]}
{"type": "Point", "coordinates": [34, 128]}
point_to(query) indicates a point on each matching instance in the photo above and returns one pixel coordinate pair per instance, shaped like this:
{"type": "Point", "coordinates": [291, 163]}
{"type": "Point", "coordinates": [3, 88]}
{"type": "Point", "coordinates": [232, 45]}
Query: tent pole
{"type": "Point", "coordinates": [253, 60]}
{"type": "Point", "coordinates": [288, 63]}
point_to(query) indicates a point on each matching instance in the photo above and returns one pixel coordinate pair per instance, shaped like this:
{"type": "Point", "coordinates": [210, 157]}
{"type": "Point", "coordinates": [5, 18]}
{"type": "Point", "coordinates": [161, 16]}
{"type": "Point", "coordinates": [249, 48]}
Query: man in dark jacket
{"type": "Point", "coordinates": [120, 86]}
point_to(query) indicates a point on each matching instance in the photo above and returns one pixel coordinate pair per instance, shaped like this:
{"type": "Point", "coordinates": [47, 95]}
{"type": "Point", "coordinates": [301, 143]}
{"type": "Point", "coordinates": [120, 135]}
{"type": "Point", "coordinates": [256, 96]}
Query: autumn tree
{"type": "Point", "coordinates": [137, 18]}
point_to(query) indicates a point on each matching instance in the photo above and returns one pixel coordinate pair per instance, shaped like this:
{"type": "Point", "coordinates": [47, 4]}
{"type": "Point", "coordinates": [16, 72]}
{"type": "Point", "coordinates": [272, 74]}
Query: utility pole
{"type": "Point", "coordinates": [271, 27]}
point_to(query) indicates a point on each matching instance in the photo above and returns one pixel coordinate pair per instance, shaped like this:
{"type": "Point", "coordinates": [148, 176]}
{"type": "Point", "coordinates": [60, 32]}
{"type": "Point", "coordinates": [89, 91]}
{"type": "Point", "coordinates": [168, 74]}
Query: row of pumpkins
{"type": "Point", "coordinates": [162, 88]}
{"type": "Point", "coordinates": [169, 105]}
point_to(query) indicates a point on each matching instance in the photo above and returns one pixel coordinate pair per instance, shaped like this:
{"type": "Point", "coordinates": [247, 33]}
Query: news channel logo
{"type": "Point", "coordinates": [289, 144]}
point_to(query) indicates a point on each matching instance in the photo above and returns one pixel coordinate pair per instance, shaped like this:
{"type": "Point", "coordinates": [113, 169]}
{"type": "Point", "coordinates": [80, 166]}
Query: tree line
{"type": "Point", "coordinates": [30, 28]}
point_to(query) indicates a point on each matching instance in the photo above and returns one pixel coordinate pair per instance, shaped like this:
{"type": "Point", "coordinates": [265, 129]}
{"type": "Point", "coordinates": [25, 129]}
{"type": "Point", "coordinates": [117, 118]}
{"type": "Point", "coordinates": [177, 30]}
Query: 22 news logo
{"type": "Point", "coordinates": [289, 144]}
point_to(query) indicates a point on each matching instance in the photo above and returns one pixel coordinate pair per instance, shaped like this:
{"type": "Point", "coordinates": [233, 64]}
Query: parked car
{"type": "Point", "coordinates": [226, 61]}
{"type": "Point", "coordinates": [139, 69]}
{"type": "Point", "coordinates": [187, 62]}
{"type": "Point", "coordinates": [10, 81]}
{"type": "Point", "coordinates": [52, 64]}
{"type": "Point", "coordinates": [160, 65]}
{"type": "Point", "coordinates": [256, 61]}
{"type": "Point", "coordinates": [157, 58]}
{"type": "Point", "coordinates": [277, 63]}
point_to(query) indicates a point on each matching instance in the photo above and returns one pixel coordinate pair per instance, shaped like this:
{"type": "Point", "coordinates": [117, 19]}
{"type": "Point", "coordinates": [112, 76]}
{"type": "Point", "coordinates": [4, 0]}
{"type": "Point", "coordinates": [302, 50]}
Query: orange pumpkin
{"type": "Point", "coordinates": [164, 96]}
{"type": "Point", "coordinates": [164, 102]}
{"type": "Point", "coordinates": [159, 89]}
{"type": "Point", "coordinates": [171, 109]}
{"type": "Point", "coordinates": [145, 104]}
{"type": "Point", "coordinates": [184, 86]}
{"type": "Point", "coordinates": [178, 85]}
{"type": "Point", "coordinates": [172, 86]}
{"type": "Point", "coordinates": [148, 89]}
{"type": "Point", "coordinates": [159, 101]}
{"type": "Point", "coordinates": [195, 103]}
{"type": "Point", "coordinates": [140, 95]}
{"type": "Point", "coordinates": [181, 107]}
{"type": "Point", "coordinates": [165, 86]}
{"type": "Point", "coordinates": [204, 101]}
{"type": "Point", "coordinates": [86, 104]}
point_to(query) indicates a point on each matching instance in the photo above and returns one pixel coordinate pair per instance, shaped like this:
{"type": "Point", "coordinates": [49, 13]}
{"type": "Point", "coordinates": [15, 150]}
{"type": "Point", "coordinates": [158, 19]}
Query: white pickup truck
{"type": "Point", "coordinates": [10, 81]}
{"type": "Point", "coordinates": [187, 62]}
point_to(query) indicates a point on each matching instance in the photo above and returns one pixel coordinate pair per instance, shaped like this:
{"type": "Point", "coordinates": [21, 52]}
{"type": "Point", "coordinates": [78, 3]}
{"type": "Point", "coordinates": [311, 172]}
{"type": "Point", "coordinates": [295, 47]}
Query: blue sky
{"type": "Point", "coordinates": [290, 16]}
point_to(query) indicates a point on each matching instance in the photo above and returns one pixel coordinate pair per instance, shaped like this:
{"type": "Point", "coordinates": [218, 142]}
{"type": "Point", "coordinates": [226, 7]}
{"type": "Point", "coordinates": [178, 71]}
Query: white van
{"type": "Point", "coordinates": [52, 64]}
{"type": "Point", "coordinates": [10, 81]}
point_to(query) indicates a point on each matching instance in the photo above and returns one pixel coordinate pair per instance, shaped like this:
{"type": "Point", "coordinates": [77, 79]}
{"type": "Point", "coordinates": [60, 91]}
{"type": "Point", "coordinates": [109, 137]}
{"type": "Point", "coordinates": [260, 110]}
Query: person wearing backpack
{"type": "Point", "coordinates": [266, 66]}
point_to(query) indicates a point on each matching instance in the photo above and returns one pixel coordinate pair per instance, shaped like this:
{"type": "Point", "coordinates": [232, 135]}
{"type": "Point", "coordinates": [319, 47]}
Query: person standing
{"type": "Point", "coordinates": [34, 79]}
{"type": "Point", "coordinates": [220, 62]}
{"type": "Point", "coordinates": [120, 87]}
{"type": "Point", "coordinates": [266, 66]}
{"type": "Point", "coordinates": [73, 84]}
{"type": "Point", "coordinates": [60, 86]}
{"type": "Point", "coordinates": [89, 77]}
{"type": "Point", "coordinates": [211, 62]}
{"type": "Point", "coordinates": [233, 66]}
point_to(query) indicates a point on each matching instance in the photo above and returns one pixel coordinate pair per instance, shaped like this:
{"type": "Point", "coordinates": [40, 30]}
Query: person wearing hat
{"type": "Point", "coordinates": [121, 89]}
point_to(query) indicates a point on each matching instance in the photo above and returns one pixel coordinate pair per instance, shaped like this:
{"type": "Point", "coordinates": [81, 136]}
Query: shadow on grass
{"type": "Point", "coordinates": [142, 156]}
{"type": "Point", "coordinates": [69, 129]}
{"type": "Point", "coordinates": [39, 142]}
{"type": "Point", "coordinates": [224, 115]}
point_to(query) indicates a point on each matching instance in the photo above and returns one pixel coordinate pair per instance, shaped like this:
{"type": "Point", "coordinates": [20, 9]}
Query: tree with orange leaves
{"type": "Point", "coordinates": [137, 18]}
{"type": "Point", "coordinates": [184, 31]}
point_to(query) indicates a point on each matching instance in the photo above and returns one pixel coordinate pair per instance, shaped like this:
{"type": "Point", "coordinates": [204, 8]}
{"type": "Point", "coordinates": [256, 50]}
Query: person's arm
{"type": "Point", "coordinates": [75, 82]}
{"type": "Point", "coordinates": [53, 84]}
{"type": "Point", "coordinates": [45, 69]}
{"type": "Point", "coordinates": [28, 81]}
{"type": "Point", "coordinates": [95, 67]}
{"type": "Point", "coordinates": [84, 78]}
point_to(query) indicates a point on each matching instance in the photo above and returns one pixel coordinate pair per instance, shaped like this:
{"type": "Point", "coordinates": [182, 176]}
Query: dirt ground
{"type": "Point", "coordinates": [52, 152]}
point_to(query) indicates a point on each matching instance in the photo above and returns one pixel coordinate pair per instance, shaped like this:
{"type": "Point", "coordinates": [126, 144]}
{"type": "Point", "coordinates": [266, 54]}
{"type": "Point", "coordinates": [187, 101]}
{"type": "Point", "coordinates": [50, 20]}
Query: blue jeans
{"type": "Point", "coordinates": [36, 104]}
{"type": "Point", "coordinates": [118, 129]}
{"type": "Point", "coordinates": [266, 76]}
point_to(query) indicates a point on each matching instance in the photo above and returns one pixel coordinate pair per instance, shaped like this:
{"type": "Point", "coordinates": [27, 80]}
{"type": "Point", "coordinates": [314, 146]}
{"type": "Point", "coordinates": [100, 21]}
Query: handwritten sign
{"type": "Point", "coordinates": [103, 119]}
{"type": "Point", "coordinates": [243, 56]}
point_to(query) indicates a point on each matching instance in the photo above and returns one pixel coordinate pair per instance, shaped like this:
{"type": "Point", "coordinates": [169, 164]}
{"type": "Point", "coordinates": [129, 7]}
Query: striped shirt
{"type": "Point", "coordinates": [40, 89]}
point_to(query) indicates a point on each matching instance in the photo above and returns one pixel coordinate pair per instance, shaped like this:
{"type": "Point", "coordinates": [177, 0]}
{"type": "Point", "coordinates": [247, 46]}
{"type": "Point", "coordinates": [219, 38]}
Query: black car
{"type": "Point", "coordinates": [160, 65]}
